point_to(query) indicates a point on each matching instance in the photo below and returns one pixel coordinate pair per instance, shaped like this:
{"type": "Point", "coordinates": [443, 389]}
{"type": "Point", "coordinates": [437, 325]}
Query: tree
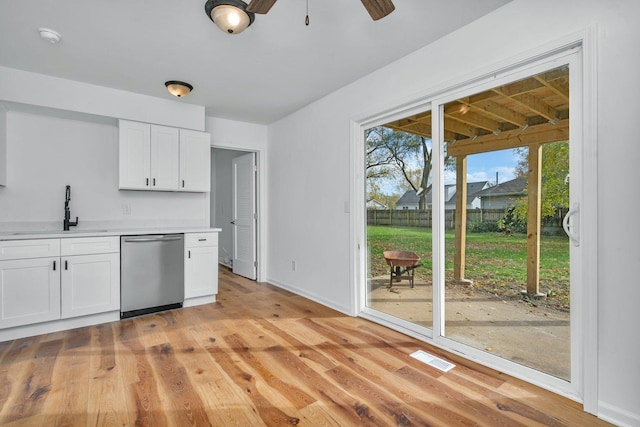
{"type": "Point", "coordinates": [390, 152]}
{"type": "Point", "coordinates": [555, 183]}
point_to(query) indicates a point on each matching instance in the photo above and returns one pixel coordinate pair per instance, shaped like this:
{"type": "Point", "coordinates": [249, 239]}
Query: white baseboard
{"type": "Point", "coordinates": [313, 297]}
{"type": "Point", "coordinates": [191, 302]}
{"type": "Point", "coordinates": [57, 325]}
{"type": "Point", "coordinates": [618, 416]}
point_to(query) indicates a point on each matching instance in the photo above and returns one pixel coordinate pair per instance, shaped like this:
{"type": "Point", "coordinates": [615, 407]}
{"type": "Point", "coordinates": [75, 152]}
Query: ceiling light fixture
{"type": "Point", "coordinates": [231, 16]}
{"type": "Point", "coordinates": [49, 35]}
{"type": "Point", "coordinates": [178, 88]}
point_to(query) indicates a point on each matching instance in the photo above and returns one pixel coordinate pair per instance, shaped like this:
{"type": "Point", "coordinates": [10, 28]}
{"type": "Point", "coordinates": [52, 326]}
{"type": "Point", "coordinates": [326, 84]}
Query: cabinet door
{"type": "Point", "coordinates": [165, 152]}
{"type": "Point", "coordinates": [29, 291]}
{"type": "Point", "coordinates": [201, 271]}
{"type": "Point", "coordinates": [134, 155]}
{"type": "Point", "coordinates": [90, 284]}
{"type": "Point", "coordinates": [195, 161]}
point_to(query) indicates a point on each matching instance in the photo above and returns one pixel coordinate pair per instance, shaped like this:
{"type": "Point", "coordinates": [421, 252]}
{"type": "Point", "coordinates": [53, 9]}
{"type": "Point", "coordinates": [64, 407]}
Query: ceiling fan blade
{"type": "Point", "coordinates": [378, 9]}
{"type": "Point", "coordinates": [260, 6]}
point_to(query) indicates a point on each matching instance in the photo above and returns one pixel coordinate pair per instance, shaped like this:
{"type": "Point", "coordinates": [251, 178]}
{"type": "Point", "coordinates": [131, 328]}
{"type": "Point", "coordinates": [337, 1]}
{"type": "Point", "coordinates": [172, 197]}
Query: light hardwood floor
{"type": "Point", "coordinates": [260, 356]}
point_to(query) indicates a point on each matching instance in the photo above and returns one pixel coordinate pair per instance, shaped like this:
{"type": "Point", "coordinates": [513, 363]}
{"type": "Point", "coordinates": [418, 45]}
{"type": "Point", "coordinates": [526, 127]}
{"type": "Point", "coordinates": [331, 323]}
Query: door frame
{"type": "Point", "coordinates": [585, 41]}
{"type": "Point", "coordinates": [261, 222]}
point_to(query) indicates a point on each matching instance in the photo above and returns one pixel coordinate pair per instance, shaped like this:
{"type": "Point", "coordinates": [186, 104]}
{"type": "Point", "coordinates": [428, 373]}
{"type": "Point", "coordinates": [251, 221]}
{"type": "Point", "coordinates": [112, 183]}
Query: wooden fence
{"type": "Point", "coordinates": [423, 218]}
{"type": "Point", "coordinates": [417, 218]}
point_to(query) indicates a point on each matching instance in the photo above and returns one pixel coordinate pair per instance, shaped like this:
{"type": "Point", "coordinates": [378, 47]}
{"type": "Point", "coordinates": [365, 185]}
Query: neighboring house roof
{"type": "Point", "coordinates": [473, 188]}
{"type": "Point", "coordinates": [515, 187]}
{"type": "Point", "coordinates": [376, 203]}
{"type": "Point", "coordinates": [408, 198]}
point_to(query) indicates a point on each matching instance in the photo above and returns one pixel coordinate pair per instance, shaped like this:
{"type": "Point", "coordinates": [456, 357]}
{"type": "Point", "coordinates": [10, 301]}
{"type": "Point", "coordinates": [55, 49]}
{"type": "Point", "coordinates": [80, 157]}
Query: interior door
{"type": "Point", "coordinates": [244, 216]}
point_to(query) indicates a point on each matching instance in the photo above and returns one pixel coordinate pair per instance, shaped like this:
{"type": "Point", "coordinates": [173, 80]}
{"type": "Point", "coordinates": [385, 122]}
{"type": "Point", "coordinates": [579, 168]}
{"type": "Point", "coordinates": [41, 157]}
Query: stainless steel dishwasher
{"type": "Point", "coordinates": [151, 273]}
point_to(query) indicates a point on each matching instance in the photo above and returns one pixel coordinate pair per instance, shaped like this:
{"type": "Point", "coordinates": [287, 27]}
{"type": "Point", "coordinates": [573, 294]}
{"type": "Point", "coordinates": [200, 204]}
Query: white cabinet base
{"type": "Point", "coordinates": [57, 325]}
{"type": "Point", "coordinates": [192, 302]}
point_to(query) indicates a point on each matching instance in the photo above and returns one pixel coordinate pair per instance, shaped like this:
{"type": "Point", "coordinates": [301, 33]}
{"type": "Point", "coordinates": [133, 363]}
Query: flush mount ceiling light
{"type": "Point", "coordinates": [231, 16]}
{"type": "Point", "coordinates": [50, 35]}
{"type": "Point", "coordinates": [178, 88]}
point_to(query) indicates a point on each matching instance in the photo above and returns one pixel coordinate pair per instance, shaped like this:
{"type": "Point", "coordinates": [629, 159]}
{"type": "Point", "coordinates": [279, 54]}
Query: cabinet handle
{"type": "Point", "coordinates": [154, 182]}
{"type": "Point", "coordinates": [66, 265]}
{"type": "Point", "coordinates": [183, 183]}
{"type": "Point", "coordinates": [54, 265]}
{"type": "Point", "coordinates": [202, 240]}
{"type": "Point", "coordinates": [147, 182]}
{"type": "Point", "coordinates": [189, 254]}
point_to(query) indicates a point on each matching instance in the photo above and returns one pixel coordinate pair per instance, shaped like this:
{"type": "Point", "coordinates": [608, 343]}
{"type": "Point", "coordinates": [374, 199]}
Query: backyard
{"type": "Point", "coordinates": [495, 262]}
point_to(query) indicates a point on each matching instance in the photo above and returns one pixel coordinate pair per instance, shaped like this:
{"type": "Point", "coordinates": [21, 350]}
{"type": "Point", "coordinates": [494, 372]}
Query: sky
{"type": "Point", "coordinates": [480, 167]}
{"type": "Point", "coordinates": [483, 167]}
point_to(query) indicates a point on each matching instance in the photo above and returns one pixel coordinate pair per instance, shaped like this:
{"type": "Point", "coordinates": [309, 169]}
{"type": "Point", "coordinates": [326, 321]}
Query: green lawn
{"type": "Point", "coordinates": [495, 262]}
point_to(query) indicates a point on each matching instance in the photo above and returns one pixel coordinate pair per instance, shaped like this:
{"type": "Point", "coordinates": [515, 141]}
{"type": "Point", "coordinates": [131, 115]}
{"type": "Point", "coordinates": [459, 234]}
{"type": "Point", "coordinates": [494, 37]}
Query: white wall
{"type": "Point", "coordinates": [52, 92]}
{"type": "Point", "coordinates": [47, 152]}
{"type": "Point", "coordinates": [309, 154]}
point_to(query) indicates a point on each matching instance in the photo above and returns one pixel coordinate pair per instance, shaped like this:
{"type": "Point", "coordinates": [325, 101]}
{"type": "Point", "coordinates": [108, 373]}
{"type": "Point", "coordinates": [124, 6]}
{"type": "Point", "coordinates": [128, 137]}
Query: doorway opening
{"type": "Point", "coordinates": [234, 208]}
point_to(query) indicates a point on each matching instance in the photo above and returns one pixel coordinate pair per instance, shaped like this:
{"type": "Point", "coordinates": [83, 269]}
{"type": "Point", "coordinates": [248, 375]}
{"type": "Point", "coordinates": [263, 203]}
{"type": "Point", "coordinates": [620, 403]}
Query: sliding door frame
{"type": "Point", "coordinates": [586, 380]}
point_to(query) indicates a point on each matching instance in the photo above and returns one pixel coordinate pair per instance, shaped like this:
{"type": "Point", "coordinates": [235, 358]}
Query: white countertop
{"type": "Point", "coordinates": [56, 234]}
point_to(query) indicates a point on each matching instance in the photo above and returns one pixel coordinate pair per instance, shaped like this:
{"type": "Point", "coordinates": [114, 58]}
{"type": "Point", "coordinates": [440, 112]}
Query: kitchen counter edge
{"type": "Point", "coordinates": [26, 235]}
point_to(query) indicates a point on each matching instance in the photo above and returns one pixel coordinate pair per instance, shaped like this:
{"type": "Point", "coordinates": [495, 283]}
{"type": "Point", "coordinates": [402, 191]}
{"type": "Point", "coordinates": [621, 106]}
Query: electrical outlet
{"type": "Point", "coordinates": [293, 265]}
{"type": "Point", "coordinates": [126, 209]}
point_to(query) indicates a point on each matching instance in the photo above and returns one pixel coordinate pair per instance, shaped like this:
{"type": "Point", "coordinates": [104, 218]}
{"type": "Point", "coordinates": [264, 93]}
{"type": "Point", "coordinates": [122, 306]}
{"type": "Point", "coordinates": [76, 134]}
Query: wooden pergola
{"type": "Point", "coordinates": [527, 113]}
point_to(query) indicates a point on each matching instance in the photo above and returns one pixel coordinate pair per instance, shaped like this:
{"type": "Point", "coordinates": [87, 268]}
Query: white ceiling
{"type": "Point", "coordinates": [273, 68]}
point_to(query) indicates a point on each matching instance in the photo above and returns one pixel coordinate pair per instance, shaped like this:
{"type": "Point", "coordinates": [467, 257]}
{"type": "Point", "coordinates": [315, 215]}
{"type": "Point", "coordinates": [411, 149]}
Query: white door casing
{"type": "Point", "coordinates": [244, 215]}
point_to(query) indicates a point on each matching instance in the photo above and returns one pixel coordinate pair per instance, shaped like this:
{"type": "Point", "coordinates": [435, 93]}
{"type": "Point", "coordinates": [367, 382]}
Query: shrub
{"type": "Point", "coordinates": [479, 226]}
{"type": "Point", "coordinates": [511, 222]}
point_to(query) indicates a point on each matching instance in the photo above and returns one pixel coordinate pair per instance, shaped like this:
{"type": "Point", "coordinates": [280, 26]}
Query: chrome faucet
{"type": "Point", "coordinates": [67, 212]}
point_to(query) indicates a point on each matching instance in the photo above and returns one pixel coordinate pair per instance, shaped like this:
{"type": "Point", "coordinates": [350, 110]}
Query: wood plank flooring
{"type": "Point", "coordinates": [259, 356]}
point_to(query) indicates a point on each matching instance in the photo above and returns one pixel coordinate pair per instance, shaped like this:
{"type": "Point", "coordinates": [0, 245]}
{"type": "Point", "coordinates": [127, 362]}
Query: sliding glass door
{"type": "Point", "coordinates": [472, 209]}
{"type": "Point", "coordinates": [399, 222]}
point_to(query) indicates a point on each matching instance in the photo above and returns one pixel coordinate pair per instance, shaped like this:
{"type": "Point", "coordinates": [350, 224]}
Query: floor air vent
{"type": "Point", "coordinates": [433, 361]}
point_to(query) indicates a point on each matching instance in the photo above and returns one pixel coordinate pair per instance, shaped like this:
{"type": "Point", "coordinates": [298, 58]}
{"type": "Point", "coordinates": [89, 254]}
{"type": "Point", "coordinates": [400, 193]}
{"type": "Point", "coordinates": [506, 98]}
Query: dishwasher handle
{"type": "Point", "coordinates": [151, 239]}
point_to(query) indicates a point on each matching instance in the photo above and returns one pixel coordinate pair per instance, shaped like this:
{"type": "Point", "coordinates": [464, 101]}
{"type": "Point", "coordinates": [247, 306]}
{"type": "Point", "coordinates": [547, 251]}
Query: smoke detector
{"type": "Point", "coordinates": [49, 35]}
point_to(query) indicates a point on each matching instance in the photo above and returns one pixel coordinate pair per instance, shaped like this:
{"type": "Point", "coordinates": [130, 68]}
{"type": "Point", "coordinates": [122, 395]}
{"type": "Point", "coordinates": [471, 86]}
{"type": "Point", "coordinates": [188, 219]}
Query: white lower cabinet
{"type": "Point", "coordinates": [200, 265]}
{"type": "Point", "coordinates": [50, 279]}
{"type": "Point", "coordinates": [90, 284]}
{"type": "Point", "coordinates": [90, 270]}
{"type": "Point", "coordinates": [29, 291]}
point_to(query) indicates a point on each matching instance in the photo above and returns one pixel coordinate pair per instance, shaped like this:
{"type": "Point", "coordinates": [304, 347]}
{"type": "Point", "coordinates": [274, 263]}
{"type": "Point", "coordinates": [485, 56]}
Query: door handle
{"type": "Point", "coordinates": [152, 239]}
{"type": "Point", "coordinates": [571, 224]}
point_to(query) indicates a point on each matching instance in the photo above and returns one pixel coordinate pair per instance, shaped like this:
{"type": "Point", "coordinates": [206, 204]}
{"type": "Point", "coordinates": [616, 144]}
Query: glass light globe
{"type": "Point", "coordinates": [230, 19]}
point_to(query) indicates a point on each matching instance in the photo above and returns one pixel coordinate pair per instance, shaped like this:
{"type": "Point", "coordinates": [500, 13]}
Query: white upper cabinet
{"type": "Point", "coordinates": [195, 161]}
{"type": "Point", "coordinates": [163, 158]}
{"type": "Point", "coordinates": [3, 146]}
{"type": "Point", "coordinates": [165, 151]}
{"type": "Point", "coordinates": [134, 155]}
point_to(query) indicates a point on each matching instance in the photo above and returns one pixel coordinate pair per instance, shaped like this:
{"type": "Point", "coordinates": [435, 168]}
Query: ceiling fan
{"type": "Point", "coordinates": [377, 8]}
